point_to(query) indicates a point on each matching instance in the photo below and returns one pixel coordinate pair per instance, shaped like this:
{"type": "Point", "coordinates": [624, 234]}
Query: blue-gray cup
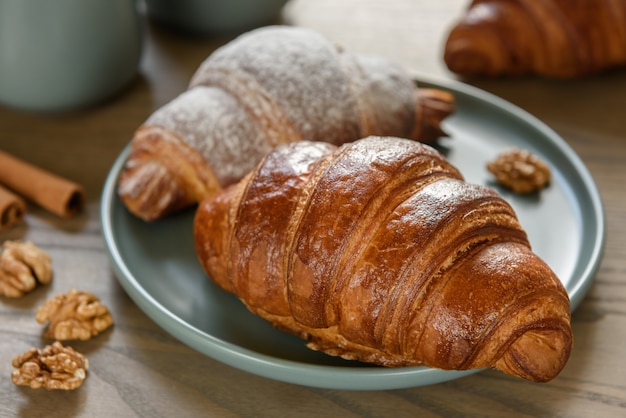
{"type": "Point", "coordinates": [58, 55]}
{"type": "Point", "coordinates": [209, 17]}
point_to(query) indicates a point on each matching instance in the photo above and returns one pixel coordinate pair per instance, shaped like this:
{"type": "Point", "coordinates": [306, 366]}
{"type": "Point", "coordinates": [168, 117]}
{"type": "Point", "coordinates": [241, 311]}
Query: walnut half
{"type": "Point", "coordinates": [520, 171]}
{"type": "Point", "coordinates": [77, 315]}
{"type": "Point", "coordinates": [22, 266]}
{"type": "Point", "coordinates": [53, 367]}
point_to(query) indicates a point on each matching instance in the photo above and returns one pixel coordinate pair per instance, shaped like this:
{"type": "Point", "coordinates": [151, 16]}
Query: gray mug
{"type": "Point", "coordinates": [208, 17]}
{"type": "Point", "coordinates": [58, 55]}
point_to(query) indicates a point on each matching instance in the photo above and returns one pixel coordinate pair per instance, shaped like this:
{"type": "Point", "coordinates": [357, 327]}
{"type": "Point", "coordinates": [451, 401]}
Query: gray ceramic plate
{"type": "Point", "coordinates": [156, 263]}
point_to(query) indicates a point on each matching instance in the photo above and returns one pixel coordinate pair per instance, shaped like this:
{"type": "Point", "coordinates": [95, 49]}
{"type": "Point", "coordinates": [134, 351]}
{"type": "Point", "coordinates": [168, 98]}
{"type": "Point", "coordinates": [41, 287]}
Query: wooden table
{"type": "Point", "coordinates": [137, 369]}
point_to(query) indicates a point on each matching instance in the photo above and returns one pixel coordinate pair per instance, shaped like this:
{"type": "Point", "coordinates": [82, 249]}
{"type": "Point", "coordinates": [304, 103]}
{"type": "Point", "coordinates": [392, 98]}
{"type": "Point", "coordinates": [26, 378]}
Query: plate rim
{"type": "Point", "coordinates": [327, 376]}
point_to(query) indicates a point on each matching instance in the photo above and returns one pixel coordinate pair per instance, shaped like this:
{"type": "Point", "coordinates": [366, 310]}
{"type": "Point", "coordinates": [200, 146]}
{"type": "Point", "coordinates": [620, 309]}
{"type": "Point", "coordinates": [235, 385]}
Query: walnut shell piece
{"type": "Point", "coordinates": [23, 265]}
{"type": "Point", "coordinates": [520, 171]}
{"type": "Point", "coordinates": [77, 315]}
{"type": "Point", "coordinates": [55, 367]}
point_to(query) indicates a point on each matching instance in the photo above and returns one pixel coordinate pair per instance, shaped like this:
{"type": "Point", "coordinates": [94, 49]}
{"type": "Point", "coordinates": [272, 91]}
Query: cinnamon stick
{"type": "Point", "coordinates": [54, 193]}
{"type": "Point", "coordinates": [12, 209]}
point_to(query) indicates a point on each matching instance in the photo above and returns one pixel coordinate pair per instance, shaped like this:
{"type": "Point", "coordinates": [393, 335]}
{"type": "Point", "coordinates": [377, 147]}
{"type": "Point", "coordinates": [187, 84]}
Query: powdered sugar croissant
{"type": "Point", "coordinates": [553, 38]}
{"type": "Point", "coordinates": [378, 251]}
{"type": "Point", "coordinates": [267, 87]}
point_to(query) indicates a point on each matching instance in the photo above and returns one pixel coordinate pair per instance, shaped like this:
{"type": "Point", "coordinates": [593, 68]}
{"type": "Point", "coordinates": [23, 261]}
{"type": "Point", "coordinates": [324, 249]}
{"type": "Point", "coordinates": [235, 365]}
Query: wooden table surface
{"type": "Point", "coordinates": [138, 369]}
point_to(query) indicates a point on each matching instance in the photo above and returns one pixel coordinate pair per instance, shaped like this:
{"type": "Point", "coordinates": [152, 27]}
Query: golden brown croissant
{"type": "Point", "coordinates": [378, 251]}
{"type": "Point", "coordinates": [268, 87]}
{"type": "Point", "coordinates": [552, 38]}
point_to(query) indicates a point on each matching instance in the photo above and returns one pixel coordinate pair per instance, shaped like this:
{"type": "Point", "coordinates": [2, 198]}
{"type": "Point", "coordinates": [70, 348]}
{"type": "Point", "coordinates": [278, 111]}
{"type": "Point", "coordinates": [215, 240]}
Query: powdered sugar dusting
{"type": "Point", "coordinates": [211, 121]}
{"type": "Point", "coordinates": [272, 77]}
{"type": "Point", "coordinates": [388, 94]}
{"type": "Point", "coordinates": [300, 70]}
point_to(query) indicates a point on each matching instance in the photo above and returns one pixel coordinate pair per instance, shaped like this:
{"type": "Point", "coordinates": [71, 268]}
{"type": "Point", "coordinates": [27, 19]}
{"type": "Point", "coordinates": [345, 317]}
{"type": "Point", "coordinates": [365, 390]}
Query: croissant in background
{"type": "Point", "coordinates": [552, 38]}
{"type": "Point", "coordinates": [268, 87]}
{"type": "Point", "coordinates": [378, 251]}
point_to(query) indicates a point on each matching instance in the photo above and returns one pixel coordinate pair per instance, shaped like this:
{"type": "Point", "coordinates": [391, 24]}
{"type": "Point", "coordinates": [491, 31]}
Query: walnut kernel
{"type": "Point", "coordinates": [77, 315]}
{"type": "Point", "coordinates": [22, 266]}
{"type": "Point", "coordinates": [520, 170]}
{"type": "Point", "coordinates": [53, 367]}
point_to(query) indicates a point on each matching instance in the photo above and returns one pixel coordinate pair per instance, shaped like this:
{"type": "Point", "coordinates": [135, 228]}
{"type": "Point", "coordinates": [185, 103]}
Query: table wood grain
{"type": "Point", "coordinates": [139, 370]}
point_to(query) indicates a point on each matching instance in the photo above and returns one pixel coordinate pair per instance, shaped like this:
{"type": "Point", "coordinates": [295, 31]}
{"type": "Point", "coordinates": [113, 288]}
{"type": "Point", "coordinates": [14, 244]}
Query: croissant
{"type": "Point", "coordinates": [552, 38]}
{"type": "Point", "coordinates": [267, 87]}
{"type": "Point", "coordinates": [378, 251]}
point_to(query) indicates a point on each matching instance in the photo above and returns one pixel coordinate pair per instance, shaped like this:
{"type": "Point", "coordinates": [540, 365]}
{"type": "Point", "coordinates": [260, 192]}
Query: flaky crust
{"type": "Point", "coordinates": [379, 251]}
{"type": "Point", "coordinates": [268, 87]}
{"type": "Point", "coordinates": [163, 174]}
{"type": "Point", "coordinates": [552, 38]}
